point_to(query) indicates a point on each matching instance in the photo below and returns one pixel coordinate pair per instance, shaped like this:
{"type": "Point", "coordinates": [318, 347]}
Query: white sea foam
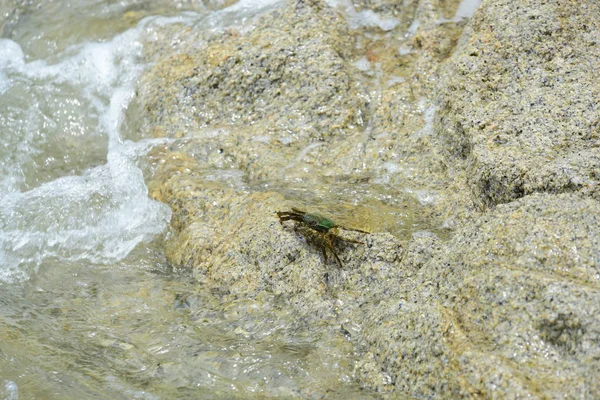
{"type": "Point", "coordinates": [10, 391]}
{"type": "Point", "coordinates": [248, 7]}
{"type": "Point", "coordinates": [11, 56]}
{"type": "Point", "coordinates": [466, 9]}
{"type": "Point", "coordinates": [413, 28]}
{"type": "Point", "coordinates": [404, 50]}
{"type": "Point", "coordinates": [394, 80]}
{"type": "Point", "coordinates": [362, 64]}
{"type": "Point", "coordinates": [100, 214]}
{"type": "Point", "coordinates": [424, 197]}
{"type": "Point", "coordinates": [370, 19]}
{"type": "Point", "coordinates": [237, 14]}
{"type": "Point", "coordinates": [363, 18]}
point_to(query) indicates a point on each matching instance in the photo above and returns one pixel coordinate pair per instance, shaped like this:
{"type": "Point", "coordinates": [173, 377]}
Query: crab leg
{"type": "Point", "coordinates": [287, 216]}
{"type": "Point", "coordinates": [347, 240]}
{"type": "Point", "coordinates": [354, 230]}
{"type": "Point", "coordinates": [336, 257]}
{"type": "Point", "coordinates": [329, 244]}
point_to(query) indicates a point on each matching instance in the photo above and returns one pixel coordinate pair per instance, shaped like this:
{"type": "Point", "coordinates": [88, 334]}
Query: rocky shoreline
{"type": "Point", "coordinates": [470, 150]}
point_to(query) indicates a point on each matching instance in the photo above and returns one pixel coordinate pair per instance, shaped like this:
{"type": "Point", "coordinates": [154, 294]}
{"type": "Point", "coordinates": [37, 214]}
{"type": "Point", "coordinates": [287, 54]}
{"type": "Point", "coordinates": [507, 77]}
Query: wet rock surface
{"type": "Point", "coordinates": [453, 294]}
{"type": "Point", "coordinates": [524, 296]}
{"type": "Point", "coordinates": [505, 308]}
{"type": "Point", "coordinates": [518, 105]}
{"type": "Point", "coordinates": [273, 73]}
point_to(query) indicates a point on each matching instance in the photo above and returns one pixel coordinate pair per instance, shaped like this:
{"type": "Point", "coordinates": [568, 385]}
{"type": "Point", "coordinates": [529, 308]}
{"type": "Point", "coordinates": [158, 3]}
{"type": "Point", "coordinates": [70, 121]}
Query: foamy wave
{"type": "Point", "coordinates": [102, 213]}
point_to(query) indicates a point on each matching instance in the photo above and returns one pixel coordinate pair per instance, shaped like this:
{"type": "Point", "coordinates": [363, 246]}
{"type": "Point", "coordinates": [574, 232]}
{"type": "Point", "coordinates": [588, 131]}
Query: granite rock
{"type": "Point", "coordinates": [476, 169]}
{"type": "Point", "coordinates": [280, 74]}
{"type": "Point", "coordinates": [507, 308]}
{"type": "Point", "coordinates": [518, 101]}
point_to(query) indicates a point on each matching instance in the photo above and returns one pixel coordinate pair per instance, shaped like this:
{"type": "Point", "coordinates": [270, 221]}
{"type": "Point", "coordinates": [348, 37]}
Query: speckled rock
{"type": "Point", "coordinates": [280, 74]}
{"type": "Point", "coordinates": [233, 239]}
{"type": "Point", "coordinates": [318, 160]}
{"type": "Point", "coordinates": [519, 99]}
{"type": "Point", "coordinates": [507, 309]}
{"type": "Point", "coordinates": [526, 295]}
{"type": "Point", "coordinates": [373, 141]}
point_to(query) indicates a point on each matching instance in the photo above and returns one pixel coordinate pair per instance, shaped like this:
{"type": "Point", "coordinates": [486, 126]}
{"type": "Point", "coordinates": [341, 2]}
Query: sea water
{"type": "Point", "coordinates": [89, 307]}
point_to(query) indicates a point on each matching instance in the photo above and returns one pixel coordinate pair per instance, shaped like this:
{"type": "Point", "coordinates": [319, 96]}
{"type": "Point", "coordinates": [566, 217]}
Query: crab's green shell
{"type": "Point", "coordinates": [318, 222]}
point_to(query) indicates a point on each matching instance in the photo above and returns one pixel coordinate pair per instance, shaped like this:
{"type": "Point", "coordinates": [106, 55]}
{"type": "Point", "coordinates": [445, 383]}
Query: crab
{"type": "Point", "coordinates": [323, 226]}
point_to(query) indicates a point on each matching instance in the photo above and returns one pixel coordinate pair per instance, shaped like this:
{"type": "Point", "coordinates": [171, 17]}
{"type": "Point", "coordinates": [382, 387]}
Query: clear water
{"type": "Point", "coordinates": [89, 308]}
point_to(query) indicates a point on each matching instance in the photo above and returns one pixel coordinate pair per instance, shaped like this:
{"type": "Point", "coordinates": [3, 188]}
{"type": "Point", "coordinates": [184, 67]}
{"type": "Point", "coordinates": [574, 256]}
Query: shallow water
{"type": "Point", "coordinates": [89, 307]}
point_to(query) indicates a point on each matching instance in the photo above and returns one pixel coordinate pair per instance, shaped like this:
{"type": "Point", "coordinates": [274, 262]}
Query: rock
{"type": "Point", "coordinates": [523, 287]}
{"type": "Point", "coordinates": [503, 307]}
{"type": "Point", "coordinates": [289, 73]}
{"type": "Point", "coordinates": [507, 309]}
{"type": "Point", "coordinates": [234, 240]}
{"type": "Point", "coordinates": [518, 106]}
